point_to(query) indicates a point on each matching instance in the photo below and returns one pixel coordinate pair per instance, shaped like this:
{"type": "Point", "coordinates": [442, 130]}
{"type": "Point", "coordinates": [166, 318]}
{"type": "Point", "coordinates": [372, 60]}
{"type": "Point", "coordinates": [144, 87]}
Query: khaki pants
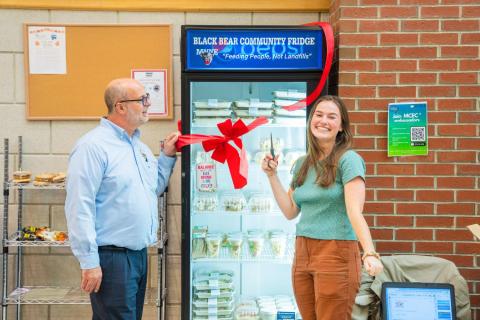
{"type": "Point", "coordinates": [326, 278]}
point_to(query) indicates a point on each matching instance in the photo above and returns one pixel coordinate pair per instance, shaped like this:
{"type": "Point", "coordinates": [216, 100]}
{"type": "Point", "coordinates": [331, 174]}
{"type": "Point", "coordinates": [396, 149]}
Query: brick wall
{"type": "Point", "coordinates": [417, 50]}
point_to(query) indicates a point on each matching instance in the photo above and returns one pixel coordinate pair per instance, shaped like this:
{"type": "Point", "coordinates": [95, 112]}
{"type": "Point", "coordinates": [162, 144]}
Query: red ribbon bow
{"type": "Point", "coordinates": [223, 150]}
{"type": "Point", "coordinates": [329, 40]}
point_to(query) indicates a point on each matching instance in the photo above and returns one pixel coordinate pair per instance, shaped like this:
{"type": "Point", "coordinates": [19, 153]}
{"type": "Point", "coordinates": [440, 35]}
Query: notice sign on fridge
{"type": "Point", "coordinates": [254, 49]}
{"type": "Point", "coordinates": [407, 129]}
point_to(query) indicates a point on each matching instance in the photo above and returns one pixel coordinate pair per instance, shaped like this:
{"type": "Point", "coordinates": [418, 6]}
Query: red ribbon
{"type": "Point", "coordinates": [329, 39]}
{"type": "Point", "coordinates": [223, 150]}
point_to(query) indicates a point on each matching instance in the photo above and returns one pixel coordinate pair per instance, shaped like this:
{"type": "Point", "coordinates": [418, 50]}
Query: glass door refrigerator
{"type": "Point", "coordinates": [237, 247]}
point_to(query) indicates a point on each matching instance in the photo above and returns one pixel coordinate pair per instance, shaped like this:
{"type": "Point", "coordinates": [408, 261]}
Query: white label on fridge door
{"type": "Point", "coordinates": [206, 177]}
{"type": "Point", "coordinates": [214, 292]}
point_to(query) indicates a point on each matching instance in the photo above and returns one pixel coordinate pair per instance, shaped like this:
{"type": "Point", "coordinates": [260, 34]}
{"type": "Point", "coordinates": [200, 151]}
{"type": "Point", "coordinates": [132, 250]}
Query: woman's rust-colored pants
{"type": "Point", "coordinates": [326, 278]}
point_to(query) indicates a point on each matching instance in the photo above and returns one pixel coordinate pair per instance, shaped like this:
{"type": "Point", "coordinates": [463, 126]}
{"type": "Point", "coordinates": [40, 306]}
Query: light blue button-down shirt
{"type": "Point", "coordinates": [112, 188]}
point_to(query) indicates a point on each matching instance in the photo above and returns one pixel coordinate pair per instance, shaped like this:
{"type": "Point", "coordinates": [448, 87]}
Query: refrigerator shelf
{"type": "Point", "coordinates": [266, 255]}
{"type": "Point", "coordinates": [238, 213]}
{"type": "Point", "coordinates": [30, 186]}
{"type": "Point", "coordinates": [13, 242]}
{"type": "Point", "coordinates": [285, 124]}
{"type": "Point", "coordinates": [59, 295]}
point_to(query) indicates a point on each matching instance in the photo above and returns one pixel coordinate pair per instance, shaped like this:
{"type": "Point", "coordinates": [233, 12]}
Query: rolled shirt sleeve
{"type": "Point", "coordinates": [165, 167]}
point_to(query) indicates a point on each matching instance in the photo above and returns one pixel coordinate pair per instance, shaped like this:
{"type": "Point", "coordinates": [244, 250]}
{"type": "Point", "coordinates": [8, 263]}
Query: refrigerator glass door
{"type": "Point", "coordinates": [241, 244]}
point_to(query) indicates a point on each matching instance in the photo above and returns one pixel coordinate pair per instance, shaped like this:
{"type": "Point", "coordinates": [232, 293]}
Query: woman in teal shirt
{"type": "Point", "coordinates": [328, 188]}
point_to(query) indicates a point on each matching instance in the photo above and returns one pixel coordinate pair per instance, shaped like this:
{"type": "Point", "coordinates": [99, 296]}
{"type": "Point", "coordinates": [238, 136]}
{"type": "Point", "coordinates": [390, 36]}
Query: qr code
{"type": "Point", "coordinates": [417, 134]}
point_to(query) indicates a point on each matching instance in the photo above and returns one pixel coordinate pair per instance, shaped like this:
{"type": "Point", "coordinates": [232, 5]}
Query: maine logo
{"type": "Point", "coordinates": [207, 57]}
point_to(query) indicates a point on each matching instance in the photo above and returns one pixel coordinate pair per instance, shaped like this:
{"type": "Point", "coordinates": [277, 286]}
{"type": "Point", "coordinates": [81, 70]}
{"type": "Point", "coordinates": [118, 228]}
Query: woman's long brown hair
{"type": "Point", "coordinates": [327, 169]}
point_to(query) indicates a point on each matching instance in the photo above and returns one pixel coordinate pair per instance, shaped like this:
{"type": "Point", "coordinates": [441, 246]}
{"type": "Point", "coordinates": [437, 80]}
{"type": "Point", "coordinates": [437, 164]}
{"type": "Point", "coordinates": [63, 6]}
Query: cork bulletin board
{"type": "Point", "coordinates": [96, 54]}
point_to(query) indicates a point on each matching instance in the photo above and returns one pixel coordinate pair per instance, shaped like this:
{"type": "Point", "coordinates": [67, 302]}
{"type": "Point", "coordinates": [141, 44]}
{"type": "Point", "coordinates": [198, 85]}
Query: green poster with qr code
{"type": "Point", "coordinates": [407, 129]}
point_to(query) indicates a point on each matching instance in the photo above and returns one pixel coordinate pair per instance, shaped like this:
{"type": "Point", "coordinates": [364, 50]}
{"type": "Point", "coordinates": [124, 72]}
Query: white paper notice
{"type": "Point", "coordinates": [47, 50]}
{"type": "Point", "coordinates": [155, 83]}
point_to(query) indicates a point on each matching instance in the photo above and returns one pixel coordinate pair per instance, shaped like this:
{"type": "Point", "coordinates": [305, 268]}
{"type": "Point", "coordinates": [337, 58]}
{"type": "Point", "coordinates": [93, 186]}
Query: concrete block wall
{"type": "Point", "coordinates": [46, 145]}
{"type": "Point", "coordinates": [417, 50]}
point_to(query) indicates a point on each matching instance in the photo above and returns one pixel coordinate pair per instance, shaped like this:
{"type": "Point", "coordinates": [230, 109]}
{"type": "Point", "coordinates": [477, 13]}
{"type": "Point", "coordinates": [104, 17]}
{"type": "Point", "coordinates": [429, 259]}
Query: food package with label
{"type": "Point", "coordinates": [199, 242]}
{"type": "Point", "coordinates": [233, 201]}
{"type": "Point", "coordinates": [212, 104]}
{"type": "Point", "coordinates": [209, 283]}
{"type": "Point", "coordinates": [226, 302]}
{"type": "Point", "coordinates": [245, 104]}
{"type": "Point", "coordinates": [214, 293]}
{"type": "Point", "coordinates": [215, 273]}
{"type": "Point", "coordinates": [213, 312]}
{"type": "Point", "coordinates": [289, 94]}
{"type": "Point", "coordinates": [211, 111]}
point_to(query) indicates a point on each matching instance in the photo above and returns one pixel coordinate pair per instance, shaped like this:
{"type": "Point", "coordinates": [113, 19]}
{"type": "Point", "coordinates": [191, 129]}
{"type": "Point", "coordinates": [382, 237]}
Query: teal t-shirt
{"type": "Point", "coordinates": [323, 213]}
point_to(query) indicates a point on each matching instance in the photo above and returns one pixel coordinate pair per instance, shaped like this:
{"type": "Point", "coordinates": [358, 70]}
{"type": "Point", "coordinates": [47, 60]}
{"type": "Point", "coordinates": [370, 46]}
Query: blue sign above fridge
{"type": "Point", "coordinates": [254, 49]}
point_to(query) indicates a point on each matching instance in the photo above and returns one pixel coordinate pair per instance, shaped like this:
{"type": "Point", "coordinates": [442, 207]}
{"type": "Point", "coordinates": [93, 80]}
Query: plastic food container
{"type": "Point", "coordinates": [206, 293]}
{"type": "Point", "coordinates": [289, 94]}
{"type": "Point", "coordinates": [213, 244]}
{"type": "Point", "coordinates": [268, 314]}
{"type": "Point", "coordinates": [205, 203]}
{"type": "Point", "coordinates": [202, 284]}
{"type": "Point", "coordinates": [219, 311]}
{"type": "Point", "coordinates": [212, 103]}
{"type": "Point", "coordinates": [247, 104]}
{"type": "Point", "coordinates": [214, 274]}
{"type": "Point", "coordinates": [278, 243]}
{"type": "Point", "coordinates": [246, 313]}
{"type": "Point", "coordinates": [199, 245]}
{"type": "Point", "coordinates": [255, 244]}
{"type": "Point", "coordinates": [260, 203]}
{"type": "Point", "coordinates": [233, 202]}
{"type": "Point", "coordinates": [235, 241]}
{"type": "Point", "coordinates": [214, 302]}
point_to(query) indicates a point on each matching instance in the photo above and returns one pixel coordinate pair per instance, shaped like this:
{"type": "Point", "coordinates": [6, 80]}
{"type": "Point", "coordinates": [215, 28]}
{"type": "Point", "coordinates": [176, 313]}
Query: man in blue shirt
{"type": "Point", "coordinates": [111, 206]}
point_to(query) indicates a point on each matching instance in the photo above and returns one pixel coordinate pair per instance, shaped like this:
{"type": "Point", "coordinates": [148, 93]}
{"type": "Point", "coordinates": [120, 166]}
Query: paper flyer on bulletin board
{"type": "Point", "coordinates": [407, 129]}
{"type": "Point", "coordinates": [155, 83]}
{"type": "Point", "coordinates": [47, 50]}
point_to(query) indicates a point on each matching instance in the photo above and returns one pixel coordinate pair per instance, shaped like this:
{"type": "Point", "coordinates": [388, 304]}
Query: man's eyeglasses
{"type": "Point", "coordinates": [145, 99]}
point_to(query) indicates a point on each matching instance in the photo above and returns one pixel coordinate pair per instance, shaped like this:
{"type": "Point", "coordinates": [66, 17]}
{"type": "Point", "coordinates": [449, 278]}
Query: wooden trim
{"type": "Point", "coordinates": [174, 5]}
